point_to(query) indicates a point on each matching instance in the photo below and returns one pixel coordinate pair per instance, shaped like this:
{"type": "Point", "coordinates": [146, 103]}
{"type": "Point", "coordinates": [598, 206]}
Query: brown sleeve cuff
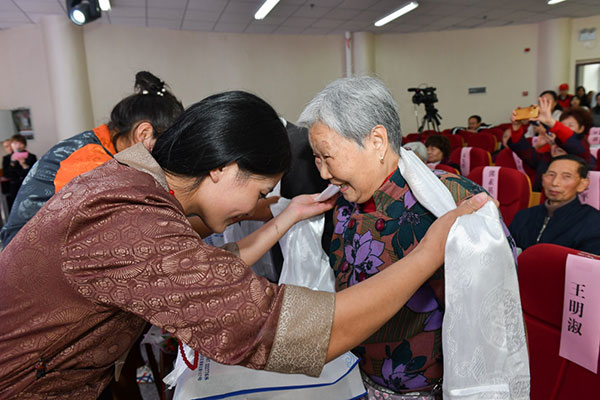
{"type": "Point", "coordinates": [303, 332]}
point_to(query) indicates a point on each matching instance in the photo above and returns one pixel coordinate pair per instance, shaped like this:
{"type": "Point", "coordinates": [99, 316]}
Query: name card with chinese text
{"type": "Point", "coordinates": [489, 180]}
{"type": "Point", "coordinates": [591, 195]}
{"type": "Point", "coordinates": [580, 334]}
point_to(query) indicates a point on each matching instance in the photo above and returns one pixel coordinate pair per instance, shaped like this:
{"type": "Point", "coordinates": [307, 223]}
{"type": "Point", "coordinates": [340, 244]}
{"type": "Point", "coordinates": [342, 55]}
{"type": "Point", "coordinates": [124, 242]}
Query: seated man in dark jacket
{"type": "Point", "coordinates": [562, 219]}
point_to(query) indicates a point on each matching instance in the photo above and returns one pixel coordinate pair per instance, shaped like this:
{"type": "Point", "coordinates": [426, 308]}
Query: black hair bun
{"type": "Point", "coordinates": [148, 83]}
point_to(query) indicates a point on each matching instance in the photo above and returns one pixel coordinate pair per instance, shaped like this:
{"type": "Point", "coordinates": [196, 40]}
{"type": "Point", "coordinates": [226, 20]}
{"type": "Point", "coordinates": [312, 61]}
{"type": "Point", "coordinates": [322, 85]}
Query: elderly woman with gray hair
{"type": "Point", "coordinates": [354, 130]}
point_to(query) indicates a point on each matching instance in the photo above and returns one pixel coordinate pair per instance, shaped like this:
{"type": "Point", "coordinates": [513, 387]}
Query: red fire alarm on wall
{"type": "Point", "coordinates": [527, 50]}
{"type": "Point", "coordinates": [525, 93]}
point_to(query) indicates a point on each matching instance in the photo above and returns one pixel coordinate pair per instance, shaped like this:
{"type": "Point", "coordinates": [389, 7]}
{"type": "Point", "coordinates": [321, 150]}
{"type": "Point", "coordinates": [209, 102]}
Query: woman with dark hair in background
{"type": "Point", "coordinates": [114, 250]}
{"type": "Point", "coordinates": [16, 166]}
{"type": "Point", "coordinates": [140, 117]}
{"type": "Point", "coordinates": [565, 136]}
{"type": "Point", "coordinates": [438, 151]}
{"type": "Point", "coordinates": [585, 98]}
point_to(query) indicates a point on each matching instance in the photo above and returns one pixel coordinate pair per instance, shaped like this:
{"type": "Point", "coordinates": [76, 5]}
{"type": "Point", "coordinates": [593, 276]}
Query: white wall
{"type": "Point", "coordinates": [585, 50]}
{"type": "Point", "coordinates": [24, 82]}
{"type": "Point", "coordinates": [452, 62]}
{"type": "Point", "coordinates": [286, 70]}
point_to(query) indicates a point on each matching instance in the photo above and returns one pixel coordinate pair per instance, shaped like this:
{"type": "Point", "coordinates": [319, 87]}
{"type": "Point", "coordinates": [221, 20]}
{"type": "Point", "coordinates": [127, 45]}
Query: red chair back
{"type": "Point", "coordinates": [505, 159]}
{"type": "Point", "coordinates": [496, 132]}
{"type": "Point", "coordinates": [595, 151]}
{"type": "Point", "coordinates": [514, 190]}
{"type": "Point", "coordinates": [456, 141]}
{"type": "Point", "coordinates": [415, 137]}
{"type": "Point", "coordinates": [483, 140]}
{"type": "Point", "coordinates": [542, 282]}
{"type": "Point", "coordinates": [504, 126]}
{"type": "Point", "coordinates": [464, 134]}
{"type": "Point", "coordinates": [478, 158]}
{"type": "Point", "coordinates": [447, 168]}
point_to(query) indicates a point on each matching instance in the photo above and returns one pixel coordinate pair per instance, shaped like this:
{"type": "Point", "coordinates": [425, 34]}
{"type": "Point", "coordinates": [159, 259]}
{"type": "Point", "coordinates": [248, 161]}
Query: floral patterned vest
{"type": "Point", "coordinates": [406, 353]}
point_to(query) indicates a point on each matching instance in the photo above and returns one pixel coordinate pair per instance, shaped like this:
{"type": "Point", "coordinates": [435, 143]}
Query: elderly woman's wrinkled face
{"type": "Point", "coordinates": [344, 163]}
{"type": "Point", "coordinates": [434, 154]}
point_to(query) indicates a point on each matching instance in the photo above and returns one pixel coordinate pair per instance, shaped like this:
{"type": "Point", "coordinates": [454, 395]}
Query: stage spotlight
{"type": "Point", "coordinates": [83, 11]}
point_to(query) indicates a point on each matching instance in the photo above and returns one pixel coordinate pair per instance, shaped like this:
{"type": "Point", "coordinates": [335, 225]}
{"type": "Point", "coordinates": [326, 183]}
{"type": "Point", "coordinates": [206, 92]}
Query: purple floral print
{"type": "Point", "coordinates": [364, 254]}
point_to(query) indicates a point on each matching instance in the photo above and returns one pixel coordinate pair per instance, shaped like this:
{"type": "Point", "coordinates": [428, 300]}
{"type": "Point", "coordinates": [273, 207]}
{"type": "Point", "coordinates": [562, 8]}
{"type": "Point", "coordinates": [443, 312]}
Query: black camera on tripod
{"type": "Point", "coordinates": [424, 95]}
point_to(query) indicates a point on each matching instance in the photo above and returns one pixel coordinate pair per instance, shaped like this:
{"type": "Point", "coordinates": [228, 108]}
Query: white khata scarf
{"type": "Point", "coordinates": [483, 338]}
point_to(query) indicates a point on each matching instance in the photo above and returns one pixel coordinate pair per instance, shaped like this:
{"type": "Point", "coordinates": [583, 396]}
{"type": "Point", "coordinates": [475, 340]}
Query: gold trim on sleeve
{"type": "Point", "coordinates": [303, 330]}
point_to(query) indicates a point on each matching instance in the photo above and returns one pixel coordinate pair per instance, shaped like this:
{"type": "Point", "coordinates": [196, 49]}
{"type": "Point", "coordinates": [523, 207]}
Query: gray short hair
{"type": "Point", "coordinates": [352, 107]}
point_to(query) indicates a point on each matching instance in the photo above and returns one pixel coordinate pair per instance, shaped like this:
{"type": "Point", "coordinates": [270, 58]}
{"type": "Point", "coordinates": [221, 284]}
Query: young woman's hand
{"type": "Point", "coordinates": [304, 206]}
{"type": "Point", "coordinates": [434, 243]}
{"type": "Point", "coordinates": [545, 116]}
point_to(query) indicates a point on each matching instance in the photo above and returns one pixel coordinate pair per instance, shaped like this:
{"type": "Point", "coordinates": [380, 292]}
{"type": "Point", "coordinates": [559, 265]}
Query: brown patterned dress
{"type": "Point", "coordinates": [113, 250]}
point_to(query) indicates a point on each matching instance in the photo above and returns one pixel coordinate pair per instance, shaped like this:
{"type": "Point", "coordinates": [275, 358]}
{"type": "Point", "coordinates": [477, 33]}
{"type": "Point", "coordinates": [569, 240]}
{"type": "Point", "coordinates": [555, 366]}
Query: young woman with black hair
{"type": "Point", "coordinates": [114, 250]}
{"type": "Point", "coordinates": [16, 165]}
{"type": "Point", "coordinates": [140, 117]}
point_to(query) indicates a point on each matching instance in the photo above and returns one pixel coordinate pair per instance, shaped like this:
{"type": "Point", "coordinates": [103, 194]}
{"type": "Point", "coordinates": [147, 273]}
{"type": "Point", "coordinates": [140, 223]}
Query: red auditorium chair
{"type": "Point", "coordinates": [483, 140]}
{"type": "Point", "coordinates": [429, 132]}
{"type": "Point", "coordinates": [503, 126]}
{"type": "Point", "coordinates": [456, 141]}
{"type": "Point", "coordinates": [542, 282]}
{"type": "Point", "coordinates": [595, 151]}
{"type": "Point", "coordinates": [447, 168]}
{"type": "Point", "coordinates": [496, 132]}
{"type": "Point", "coordinates": [478, 158]}
{"type": "Point", "coordinates": [514, 190]}
{"type": "Point", "coordinates": [464, 134]}
{"type": "Point", "coordinates": [505, 158]}
{"type": "Point", "coordinates": [415, 137]}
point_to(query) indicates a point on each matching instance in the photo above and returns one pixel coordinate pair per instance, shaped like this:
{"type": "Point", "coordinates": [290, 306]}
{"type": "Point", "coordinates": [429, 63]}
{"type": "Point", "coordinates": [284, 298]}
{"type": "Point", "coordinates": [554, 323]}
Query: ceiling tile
{"type": "Point", "coordinates": [300, 22]}
{"type": "Point", "coordinates": [242, 7]}
{"type": "Point", "coordinates": [136, 12]}
{"type": "Point", "coordinates": [236, 18]}
{"type": "Point", "coordinates": [7, 5]}
{"type": "Point", "coordinates": [270, 20]}
{"type": "Point", "coordinates": [165, 13]}
{"type": "Point", "coordinates": [13, 17]}
{"type": "Point", "coordinates": [164, 23]}
{"type": "Point", "coordinates": [342, 13]}
{"type": "Point", "coordinates": [166, 3]}
{"type": "Point", "coordinates": [358, 4]}
{"type": "Point", "coordinates": [39, 6]}
{"type": "Point", "coordinates": [207, 5]}
{"type": "Point", "coordinates": [326, 3]}
{"type": "Point", "coordinates": [327, 23]}
{"type": "Point", "coordinates": [131, 3]}
{"type": "Point", "coordinates": [198, 15]}
{"type": "Point", "coordinates": [311, 12]}
{"type": "Point", "coordinates": [128, 21]}
{"type": "Point", "coordinates": [282, 10]}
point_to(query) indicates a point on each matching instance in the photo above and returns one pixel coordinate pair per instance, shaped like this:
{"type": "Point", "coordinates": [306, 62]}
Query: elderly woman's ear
{"type": "Point", "coordinates": [378, 138]}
